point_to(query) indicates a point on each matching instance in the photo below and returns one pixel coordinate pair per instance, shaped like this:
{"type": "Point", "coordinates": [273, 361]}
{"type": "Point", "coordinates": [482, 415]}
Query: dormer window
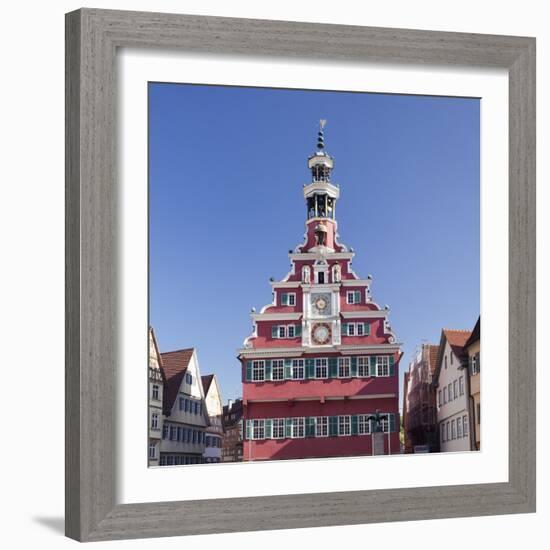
{"type": "Point", "coordinates": [288, 299]}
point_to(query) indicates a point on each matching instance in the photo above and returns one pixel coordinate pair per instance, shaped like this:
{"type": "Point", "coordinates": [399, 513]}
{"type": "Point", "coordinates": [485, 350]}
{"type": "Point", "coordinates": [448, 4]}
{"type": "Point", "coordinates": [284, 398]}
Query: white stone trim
{"type": "Point", "coordinates": [299, 352]}
{"type": "Point", "coordinates": [285, 284]}
{"type": "Point", "coordinates": [356, 282]}
{"type": "Point", "coordinates": [369, 314]}
{"type": "Point", "coordinates": [301, 256]}
{"type": "Point", "coordinates": [276, 316]}
{"type": "Point", "coordinates": [331, 189]}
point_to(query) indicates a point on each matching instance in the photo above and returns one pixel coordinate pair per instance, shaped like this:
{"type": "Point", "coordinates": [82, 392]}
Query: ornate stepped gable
{"type": "Point", "coordinates": [321, 296]}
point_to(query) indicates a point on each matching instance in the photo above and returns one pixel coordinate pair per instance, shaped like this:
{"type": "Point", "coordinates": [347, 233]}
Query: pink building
{"type": "Point", "coordinates": [322, 358]}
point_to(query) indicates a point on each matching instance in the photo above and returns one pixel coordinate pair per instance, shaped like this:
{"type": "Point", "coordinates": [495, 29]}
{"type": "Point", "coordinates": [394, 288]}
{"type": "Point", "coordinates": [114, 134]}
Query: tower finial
{"type": "Point", "coordinates": [320, 135]}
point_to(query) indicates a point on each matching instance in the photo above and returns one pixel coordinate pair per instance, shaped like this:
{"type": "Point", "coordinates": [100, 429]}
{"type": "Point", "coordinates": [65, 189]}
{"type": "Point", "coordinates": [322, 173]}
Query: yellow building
{"type": "Point", "coordinates": [472, 347]}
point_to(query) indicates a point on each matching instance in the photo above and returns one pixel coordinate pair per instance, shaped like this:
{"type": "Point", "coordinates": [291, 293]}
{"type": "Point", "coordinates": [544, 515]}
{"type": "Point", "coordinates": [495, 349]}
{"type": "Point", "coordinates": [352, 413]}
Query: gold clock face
{"type": "Point", "coordinates": [321, 333]}
{"type": "Point", "coordinates": [321, 304]}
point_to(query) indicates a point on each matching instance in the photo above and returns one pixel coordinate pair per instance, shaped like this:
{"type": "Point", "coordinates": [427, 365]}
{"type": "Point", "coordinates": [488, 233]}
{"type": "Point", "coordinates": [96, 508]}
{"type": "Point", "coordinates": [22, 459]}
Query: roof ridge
{"type": "Point", "coordinates": [177, 351]}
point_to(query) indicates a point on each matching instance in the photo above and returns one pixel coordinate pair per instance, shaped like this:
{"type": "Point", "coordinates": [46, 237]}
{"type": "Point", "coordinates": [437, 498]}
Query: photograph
{"type": "Point", "coordinates": [375, 199]}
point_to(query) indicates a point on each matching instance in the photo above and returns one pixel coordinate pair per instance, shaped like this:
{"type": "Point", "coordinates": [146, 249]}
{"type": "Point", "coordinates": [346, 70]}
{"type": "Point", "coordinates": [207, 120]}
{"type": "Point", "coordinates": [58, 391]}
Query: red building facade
{"type": "Point", "coordinates": [322, 358]}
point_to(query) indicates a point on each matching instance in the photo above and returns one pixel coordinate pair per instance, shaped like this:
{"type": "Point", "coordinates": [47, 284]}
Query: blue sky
{"type": "Point", "coordinates": [226, 169]}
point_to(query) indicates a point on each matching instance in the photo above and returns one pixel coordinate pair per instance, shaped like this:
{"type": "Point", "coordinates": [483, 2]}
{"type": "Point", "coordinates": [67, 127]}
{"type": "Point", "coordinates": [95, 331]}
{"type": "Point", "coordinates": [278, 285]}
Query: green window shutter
{"type": "Point", "coordinates": [354, 424]}
{"type": "Point", "coordinates": [248, 371]}
{"type": "Point", "coordinates": [284, 299]}
{"type": "Point", "coordinates": [366, 329]}
{"type": "Point", "coordinates": [268, 370]}
{"type": "Point", "coordinates": [288, 427]}
{"type": "Point", "coordinates": [392, 422]}
{"type": "Point", "coordinates": [298, 330]}
{"type": "Point", "coordinates": [288, 369]}
{"type": "Point", "coordinates": [248, 429]}
{"type": "Point", "coordinates": [353, 369]}
{"type": "Point", "coordinates": [392, 366]}
{"type": "Point", "coordinates": [333, 425]}
{"type": "Point", "coordinates": [274, 331]}
{"type": "Point", "coordinates": [332, 367]}
{"type": "Point", "coordinates": [344, 329]}
{"type": "Point", "coordinates": [357, 297]}
{"type": "Point", "coordinates": [470, 365]}
{"type": "Point", "coordinates": [478, 362]}
{"type": "Point", "coordinates": [372, 365]}
{"type": "Point", "coordinates": [310, 368]}
{"type": "Point", "coordinates": [310, 426]}
{"type": "Point", "coordinates": [268, 428]}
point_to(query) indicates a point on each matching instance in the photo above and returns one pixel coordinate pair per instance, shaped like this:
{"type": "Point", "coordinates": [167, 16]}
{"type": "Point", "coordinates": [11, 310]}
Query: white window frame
{"type": "Point", "coordinates": [475, 369]}
{"type": "Point", "coordinates": [459, 429]}
{"type": "Point", "coordinates": [155, 389]}
{"type": "Point", "coordinates": [442, 430]}
{"type": "Point", "coordinates": [363, 424]}
{"type": "Point", "coordinates": [258, 429]}
{"type": "Point", "coordinates": [455, 388]}
{"type": "Point", "coordinates": [445, 395]}
{"type": "Point", "coordinates": [382, 363]}
{"type": "Point", "coordinates": [278, 365]}
{"type": "Point", "coordinates": [153, 448]}
{"type": "Point", "coordinates": [298, 364]}
{"type": "Point", "coordinates": [301, 365]}
{"type": "Point", "coordinates": [351, 329]}
{"type": "Point", "coordinates": [321, 426]}
{"type": "Point", "coordinates": [289, 329]}
{"type": "Point", "coordinates": [281, 331]}
{"type": "Point", "coordinates": [321, 363]}
{"type": "Point", "coordinates": [257, 367]}
{"type": "Point", "coordinates": [359, 329]}
{"type": "Point", "coordinates": [385, 422]}
{"type": "Point", "coordinates": [365, 367]}
{"type": "Point", "coordinates": [465, 427]}
{"type": "Point", "coordinates": [344, 367]}
{"type": "Point", "coordinates": [155, 421]}
{"type": "Point", "coordinates": [291, 298]}
{"type": "Point", "coordinates": [278, 428]}
{"type": "Point", "coordinates": [351, 293]}
{"type": "Point", "coordinates": [344, 421]}
{"type": "Point", "coordinates": [298, 427]}
{"type": "Point", "coordinates": [461, 385]}
{"type": "Point", "coordinates": [453, 429]}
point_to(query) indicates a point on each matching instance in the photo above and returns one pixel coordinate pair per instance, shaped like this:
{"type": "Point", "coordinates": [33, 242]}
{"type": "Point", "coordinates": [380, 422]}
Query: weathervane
{"type": "Point", "coordinates": [320, 136]}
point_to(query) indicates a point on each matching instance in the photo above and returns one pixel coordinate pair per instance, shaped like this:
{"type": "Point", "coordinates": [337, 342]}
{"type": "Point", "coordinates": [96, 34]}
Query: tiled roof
{"type": "Point", "coordinates": [433, 350]}
{"type": "Point", "coordinates": [457, 339]}
{"type": "Point", "coordinates": [206, 381]}
{"type": "Point", "coordinates": [174, 365]}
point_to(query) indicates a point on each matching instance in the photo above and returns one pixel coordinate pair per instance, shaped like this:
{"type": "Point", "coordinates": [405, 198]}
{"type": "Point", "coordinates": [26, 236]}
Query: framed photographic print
{"type": "Point", "coordinates": [244, 198]}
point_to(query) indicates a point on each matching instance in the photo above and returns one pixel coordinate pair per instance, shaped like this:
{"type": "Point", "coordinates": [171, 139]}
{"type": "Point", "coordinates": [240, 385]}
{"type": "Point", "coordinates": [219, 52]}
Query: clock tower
{"type": "Point", "coordinates": [322, 358]}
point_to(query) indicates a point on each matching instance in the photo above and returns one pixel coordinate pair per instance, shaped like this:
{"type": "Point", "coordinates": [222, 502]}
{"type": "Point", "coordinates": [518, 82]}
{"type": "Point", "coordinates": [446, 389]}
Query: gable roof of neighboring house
{"type": "Point", "coordinates": [475, 336]}
{"type": "Point", "coordinates": [457, 339]}
{"type": "Point", "coordinates": [174, 366]}
{"type": "Point", "coordinates": [433, 351]}
{"type": "Point", "coordinates": [206, 382]}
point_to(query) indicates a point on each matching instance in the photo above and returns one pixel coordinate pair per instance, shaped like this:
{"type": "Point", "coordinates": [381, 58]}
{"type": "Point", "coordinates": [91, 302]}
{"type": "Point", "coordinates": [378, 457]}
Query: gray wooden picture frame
{"type": "Point", "coordinates": [92, 39]}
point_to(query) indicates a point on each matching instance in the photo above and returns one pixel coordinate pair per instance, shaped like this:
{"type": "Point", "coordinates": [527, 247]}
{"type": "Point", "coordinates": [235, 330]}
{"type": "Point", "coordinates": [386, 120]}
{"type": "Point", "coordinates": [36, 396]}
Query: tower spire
{"type": "Point", "coordinates": [321, 135]}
